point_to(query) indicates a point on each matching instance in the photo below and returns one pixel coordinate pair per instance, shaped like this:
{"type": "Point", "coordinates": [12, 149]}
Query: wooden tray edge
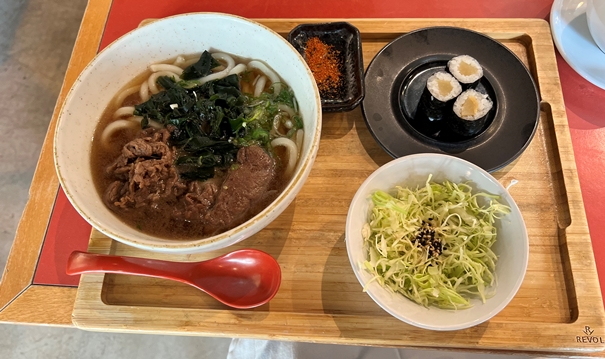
{"type": "Point", "coordinates": [577, 231]}
{"type": "Point", "coordinates": [23, 257]}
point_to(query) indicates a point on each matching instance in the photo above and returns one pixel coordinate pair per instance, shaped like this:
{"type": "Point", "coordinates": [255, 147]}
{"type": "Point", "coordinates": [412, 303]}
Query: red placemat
{"type": "Point", "coordinates": [585, 102]}
{"type": "Point", "coordinates": [126, 15]}
{"type": "Point", "coordinates": [67, 231]}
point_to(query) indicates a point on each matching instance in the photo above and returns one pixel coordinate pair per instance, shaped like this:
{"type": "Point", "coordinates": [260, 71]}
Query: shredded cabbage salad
{"type": "Point", "coordinates": [433, 243]}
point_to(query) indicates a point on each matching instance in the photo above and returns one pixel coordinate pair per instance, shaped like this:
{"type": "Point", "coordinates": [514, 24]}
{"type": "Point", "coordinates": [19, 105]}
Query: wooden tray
{"type": "Point", "coordinates": [558, 307]}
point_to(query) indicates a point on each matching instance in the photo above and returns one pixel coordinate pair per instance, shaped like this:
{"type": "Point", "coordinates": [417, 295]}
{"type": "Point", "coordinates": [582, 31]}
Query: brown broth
{"type": "Point", "coordinates": [156, 222]}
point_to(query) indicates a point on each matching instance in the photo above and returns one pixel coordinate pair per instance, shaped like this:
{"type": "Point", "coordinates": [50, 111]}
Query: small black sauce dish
{"type": "Point", "coordinates": [345, 39]}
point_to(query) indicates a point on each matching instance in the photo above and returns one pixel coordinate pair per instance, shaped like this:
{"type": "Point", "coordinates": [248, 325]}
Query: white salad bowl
{"type": "Point", "coordinates": [511, 246]}
{"type": "Point", "coordinates": [128, 57]}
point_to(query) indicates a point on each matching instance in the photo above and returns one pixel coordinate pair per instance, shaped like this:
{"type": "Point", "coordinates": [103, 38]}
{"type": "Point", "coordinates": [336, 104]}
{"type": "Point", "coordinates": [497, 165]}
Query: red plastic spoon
{"type": "Point", "coordinates": [245, 278]}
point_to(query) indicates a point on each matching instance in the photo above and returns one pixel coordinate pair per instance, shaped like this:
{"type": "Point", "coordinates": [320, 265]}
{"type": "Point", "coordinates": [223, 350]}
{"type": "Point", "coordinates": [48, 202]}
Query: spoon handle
{"type": "Point", "coordinates": [81, 262]}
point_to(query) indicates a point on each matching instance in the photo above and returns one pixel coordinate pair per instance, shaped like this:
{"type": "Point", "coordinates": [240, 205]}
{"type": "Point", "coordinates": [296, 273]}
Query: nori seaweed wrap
{"type": "Point", "coordinates": [436, 101]}
{"type": "Point", "coordinates": [466, 70]}
{"type": "Point", "coordinates": [469, 113]}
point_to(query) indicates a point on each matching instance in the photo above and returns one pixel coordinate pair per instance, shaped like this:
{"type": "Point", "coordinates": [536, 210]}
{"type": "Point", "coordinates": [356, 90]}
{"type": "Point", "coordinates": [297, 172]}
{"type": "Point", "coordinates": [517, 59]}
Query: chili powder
{"type": "Point", "coordinates": [324, 62]}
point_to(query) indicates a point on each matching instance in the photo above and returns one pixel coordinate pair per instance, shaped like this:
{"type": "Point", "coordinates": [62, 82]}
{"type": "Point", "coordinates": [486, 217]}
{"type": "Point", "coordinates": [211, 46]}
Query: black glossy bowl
{"type": "Point", "coordinates": [345, 39]}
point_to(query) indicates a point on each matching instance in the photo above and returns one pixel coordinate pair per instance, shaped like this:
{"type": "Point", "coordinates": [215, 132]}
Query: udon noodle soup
{"type": "Point", "coordinates": [197, 145]}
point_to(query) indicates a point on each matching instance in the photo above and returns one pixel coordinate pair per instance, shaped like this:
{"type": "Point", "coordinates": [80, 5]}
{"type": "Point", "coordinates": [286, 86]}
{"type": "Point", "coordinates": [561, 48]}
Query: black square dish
{"type": "Point", "coordinates": [345, 41]}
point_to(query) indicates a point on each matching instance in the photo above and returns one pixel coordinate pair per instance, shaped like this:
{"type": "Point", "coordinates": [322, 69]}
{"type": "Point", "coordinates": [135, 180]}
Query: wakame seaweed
{"type": "Point", "coordinates": [199, 121]}
{"type": "Point", "coordinates": [201, 68]}
{"type": "Point", "coordinates": [209, 122]}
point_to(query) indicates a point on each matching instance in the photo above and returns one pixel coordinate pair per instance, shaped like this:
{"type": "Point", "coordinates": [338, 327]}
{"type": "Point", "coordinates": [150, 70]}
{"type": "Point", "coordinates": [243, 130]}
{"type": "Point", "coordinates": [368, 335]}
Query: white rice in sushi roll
{"type": "Point", "coordinates": [465, 69]}
{"type": "Point", "coordinates": [443, 86]}
{"type": "Point", "coordinates": [472, 105]}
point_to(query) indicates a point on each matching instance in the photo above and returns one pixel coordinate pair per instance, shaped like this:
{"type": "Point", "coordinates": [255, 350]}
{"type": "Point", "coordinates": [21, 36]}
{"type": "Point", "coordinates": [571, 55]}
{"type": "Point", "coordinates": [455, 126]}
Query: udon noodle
{"type": "Point", "coordinates": [170, 171]}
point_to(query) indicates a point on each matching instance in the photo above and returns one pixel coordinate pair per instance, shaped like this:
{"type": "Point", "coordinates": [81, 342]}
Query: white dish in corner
{"type": "Point", "coordinates": [570, 33]}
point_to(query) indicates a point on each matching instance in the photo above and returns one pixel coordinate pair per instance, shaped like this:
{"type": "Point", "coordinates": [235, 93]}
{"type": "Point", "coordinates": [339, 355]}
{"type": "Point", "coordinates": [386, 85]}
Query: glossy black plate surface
{"type": "Point", "coordinates": [397, 76]}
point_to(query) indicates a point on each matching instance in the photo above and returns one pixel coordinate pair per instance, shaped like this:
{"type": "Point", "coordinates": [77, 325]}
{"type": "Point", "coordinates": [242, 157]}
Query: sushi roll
{"type": "Point", "coordinates": [466, 70]}
{"type": "Point", "coordinates": [469, 113]}
{"type": "Point", "coordinates": [441, 89]}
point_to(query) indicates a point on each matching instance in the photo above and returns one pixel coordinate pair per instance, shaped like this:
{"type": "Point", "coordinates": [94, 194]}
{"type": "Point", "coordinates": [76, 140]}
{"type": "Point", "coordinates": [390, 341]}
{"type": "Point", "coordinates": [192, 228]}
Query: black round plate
{"type": "Point", "coordinates": [394, 82]}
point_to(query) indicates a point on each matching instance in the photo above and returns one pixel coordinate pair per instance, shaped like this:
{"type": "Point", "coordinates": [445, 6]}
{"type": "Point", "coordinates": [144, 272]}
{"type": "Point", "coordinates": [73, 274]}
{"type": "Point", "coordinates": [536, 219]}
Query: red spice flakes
{"type": "Point", "coordinates": [324, 63]}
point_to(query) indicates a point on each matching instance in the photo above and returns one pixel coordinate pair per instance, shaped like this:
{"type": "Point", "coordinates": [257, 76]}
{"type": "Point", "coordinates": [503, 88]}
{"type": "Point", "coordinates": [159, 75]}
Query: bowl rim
{"type": "Point", "coordinates": [420, 324]}
{"type": "Point", "coordinates": [216, 241]}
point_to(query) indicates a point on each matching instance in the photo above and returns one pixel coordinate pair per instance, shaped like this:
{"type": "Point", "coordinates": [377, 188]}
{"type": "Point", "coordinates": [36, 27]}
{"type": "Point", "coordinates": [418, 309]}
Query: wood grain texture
{"type": "Point", "coordinates": [43, 305]}
{"type": "Point", "coordinates": [320, 299]}
{"type": "Point", "coordinates": [22, 259]}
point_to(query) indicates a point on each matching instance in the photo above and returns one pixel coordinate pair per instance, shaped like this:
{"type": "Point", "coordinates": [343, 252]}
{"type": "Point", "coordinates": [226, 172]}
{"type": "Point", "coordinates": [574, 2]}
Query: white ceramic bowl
{"type": "Point", "coordinates": [129, 56]}
{"type": "Point", "coordinates": [511, 247]}
{"type": "Point", "coordinates": [595, 13]}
